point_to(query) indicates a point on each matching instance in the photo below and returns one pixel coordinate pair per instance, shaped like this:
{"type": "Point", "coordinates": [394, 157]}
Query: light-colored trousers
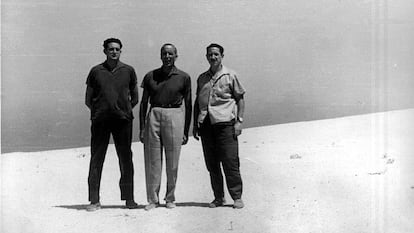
{"type": "Point", "coordinates": [164, 129]}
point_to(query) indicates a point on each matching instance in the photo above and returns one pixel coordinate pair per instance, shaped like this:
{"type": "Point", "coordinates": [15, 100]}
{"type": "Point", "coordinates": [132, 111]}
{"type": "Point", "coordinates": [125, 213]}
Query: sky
{"type": "Point", "coordinates": [299, 60]}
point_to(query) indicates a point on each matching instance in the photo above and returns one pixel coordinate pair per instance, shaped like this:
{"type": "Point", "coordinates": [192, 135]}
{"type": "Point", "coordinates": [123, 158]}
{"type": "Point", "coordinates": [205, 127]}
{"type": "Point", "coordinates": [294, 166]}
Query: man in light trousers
{"type": "Point", "coordinates": [165, 126]}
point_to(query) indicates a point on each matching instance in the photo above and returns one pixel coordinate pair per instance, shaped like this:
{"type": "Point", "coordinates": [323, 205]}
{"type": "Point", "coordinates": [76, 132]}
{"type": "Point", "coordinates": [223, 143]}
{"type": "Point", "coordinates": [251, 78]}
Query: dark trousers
{"type": "Point", "coordinates": [121, 131]}
{"type": "Point", "coordinates": [220, 146]}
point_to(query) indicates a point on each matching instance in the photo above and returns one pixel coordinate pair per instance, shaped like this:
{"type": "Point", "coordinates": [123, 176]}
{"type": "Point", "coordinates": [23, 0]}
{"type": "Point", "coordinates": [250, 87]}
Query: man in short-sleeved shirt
{"type": "Point", "coordinates": [165, 126]}
{"type": "Point", "coordinates": [111, 94]}
{"type": "Point", "coordinates": [218, 118]}
{"type": "Point", "coordinates": [217, 95]}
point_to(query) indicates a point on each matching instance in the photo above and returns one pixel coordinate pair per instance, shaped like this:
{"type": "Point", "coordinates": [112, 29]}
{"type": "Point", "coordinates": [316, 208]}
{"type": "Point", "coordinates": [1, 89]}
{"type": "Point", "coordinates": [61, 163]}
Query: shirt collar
{"type": "Point", "coordinates": [174, 70]}
{"type": "Point", "coordinates": [118, 65]}
{"type": "Point", "coordinates": [220, 73]}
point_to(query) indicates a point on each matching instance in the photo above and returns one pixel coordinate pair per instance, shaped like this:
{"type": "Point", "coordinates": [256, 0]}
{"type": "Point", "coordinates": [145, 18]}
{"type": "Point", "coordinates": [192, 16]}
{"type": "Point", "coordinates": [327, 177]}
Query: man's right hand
{"type": "Point", "coordinates": [195, 133]}
{"type": "Point", "coordinates": [141, 136]}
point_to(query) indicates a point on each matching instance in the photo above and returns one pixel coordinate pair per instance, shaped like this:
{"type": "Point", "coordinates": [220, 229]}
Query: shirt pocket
{"type": "Point", "coordinates": [222, 90]}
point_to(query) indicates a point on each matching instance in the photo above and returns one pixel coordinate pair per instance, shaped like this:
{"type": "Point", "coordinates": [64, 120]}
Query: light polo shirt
{"type": "Point", "coordinates": [217, 95]}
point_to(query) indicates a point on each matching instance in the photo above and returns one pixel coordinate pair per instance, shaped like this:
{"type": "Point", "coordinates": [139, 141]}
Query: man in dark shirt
{"type": "Point", "coordinates": [111, 94]}
{"type": "Point", "coordinates": [163, 126]}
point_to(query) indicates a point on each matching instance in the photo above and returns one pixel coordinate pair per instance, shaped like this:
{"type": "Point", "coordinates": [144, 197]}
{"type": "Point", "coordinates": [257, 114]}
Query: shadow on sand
{"type": "Point", "coordinates": [195, 204]}
{"type": "Point", "coordinates": [83, 207]}
{"type": "Point", "coordinates": [179, 204]}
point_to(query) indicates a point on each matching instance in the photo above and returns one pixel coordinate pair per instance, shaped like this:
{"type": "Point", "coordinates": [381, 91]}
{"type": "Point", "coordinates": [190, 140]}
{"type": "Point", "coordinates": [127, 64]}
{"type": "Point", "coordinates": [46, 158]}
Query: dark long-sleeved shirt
{"type": "Point", "coordinates": [112, 93]}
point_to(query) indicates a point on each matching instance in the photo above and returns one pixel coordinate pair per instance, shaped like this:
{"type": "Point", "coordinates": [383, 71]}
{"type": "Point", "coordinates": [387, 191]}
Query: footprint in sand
{"type": "Point", "coordinates": [295, 156]}
{"type": "Point", "coordinates": [389, 161]}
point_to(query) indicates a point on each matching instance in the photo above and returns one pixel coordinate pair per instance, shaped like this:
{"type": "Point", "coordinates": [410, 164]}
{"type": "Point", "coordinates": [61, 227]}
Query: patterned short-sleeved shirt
{"type": "Point", "coordinates": [217, 95]}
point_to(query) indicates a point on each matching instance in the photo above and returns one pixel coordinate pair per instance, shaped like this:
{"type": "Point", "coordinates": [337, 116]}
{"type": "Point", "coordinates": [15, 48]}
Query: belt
{"type": "Point", "coordinates": [165, 105]}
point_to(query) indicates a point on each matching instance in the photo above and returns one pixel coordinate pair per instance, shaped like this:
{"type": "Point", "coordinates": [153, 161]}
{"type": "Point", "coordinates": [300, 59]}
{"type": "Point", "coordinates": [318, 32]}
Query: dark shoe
{"type": "Point", "coordinates": [93, 207]}
{"type": "Point", "coordinates": [238, 204]}
{"type": "Point", "coordinates": [131, 204]}
{"type": "Point", "coordinates": [170, 205]}
{"type": "Point", "coordinates": [216, 203]}
{"type": "Point", "coordinates": [151, 206]}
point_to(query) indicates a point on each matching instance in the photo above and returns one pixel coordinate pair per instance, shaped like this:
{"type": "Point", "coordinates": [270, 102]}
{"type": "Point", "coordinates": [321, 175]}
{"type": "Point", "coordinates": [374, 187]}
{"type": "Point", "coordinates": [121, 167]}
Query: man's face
{"type": "Point", "coordinates": [113, 51]}
{"type": "Point", "coordinates": [214, 57]}
{"type": "Point", "coordinates": [168, 56]}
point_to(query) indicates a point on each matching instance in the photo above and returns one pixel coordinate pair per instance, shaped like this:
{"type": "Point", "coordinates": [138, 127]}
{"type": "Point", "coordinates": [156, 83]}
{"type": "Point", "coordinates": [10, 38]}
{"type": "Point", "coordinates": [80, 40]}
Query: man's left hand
{"type": "Point", "coordinates": [185, 140]}
{"type": "Point", "coordinates": [141, 136]}
{"type": "Point", "coordinates": [237, 129]}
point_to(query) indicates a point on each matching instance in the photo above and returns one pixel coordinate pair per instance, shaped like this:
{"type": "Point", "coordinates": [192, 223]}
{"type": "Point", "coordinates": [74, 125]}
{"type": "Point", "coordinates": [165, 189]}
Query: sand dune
{"type": "Point", "coordinates": [352, 174]}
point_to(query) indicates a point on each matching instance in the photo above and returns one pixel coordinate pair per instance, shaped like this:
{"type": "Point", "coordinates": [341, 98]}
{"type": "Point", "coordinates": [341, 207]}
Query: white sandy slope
{"type": "Point", "coordinates": [350, 175]}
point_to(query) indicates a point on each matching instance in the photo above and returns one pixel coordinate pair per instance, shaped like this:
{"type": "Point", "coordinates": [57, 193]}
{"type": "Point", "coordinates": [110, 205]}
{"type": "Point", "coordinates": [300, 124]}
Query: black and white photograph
{"type": "Point", "coordinates": [218, 116]}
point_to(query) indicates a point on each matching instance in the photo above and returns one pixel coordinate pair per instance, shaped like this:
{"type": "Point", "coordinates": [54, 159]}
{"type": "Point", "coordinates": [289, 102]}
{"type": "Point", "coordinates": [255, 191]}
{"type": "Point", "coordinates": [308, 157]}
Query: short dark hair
{"type": "Point", "coordinates": [111, 40]}
{"type": "Point", "coordinates": [214, 45]}
{"type": "Point", "coordinates": [169, 44]}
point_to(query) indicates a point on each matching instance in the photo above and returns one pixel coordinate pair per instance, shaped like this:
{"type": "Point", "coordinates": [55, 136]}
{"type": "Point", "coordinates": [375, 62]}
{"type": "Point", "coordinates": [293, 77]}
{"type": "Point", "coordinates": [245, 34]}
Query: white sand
{"type": "Point", "coordinates": [352, 174]}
